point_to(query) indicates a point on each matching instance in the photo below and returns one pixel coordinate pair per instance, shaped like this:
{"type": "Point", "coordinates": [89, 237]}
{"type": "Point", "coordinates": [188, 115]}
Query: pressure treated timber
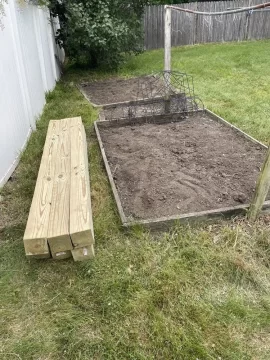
{"type": "Point", "coordinates": [62, 255]}
{"type": "Point", "coordinates": [81, 224]}
{"type": "Point", "coordinates": [35, 236]}
{"type": "Point", "coordinates": [61, 205]}
{"type": "Point", "coordinates": [83, 253]}
{"type": "Point", "coordinates": [58, 230]}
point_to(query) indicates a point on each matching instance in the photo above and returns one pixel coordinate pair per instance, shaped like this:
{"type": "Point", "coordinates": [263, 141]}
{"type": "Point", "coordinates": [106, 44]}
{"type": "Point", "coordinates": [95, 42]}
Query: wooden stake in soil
{"type": "Point", "coordinates": [262, 188]}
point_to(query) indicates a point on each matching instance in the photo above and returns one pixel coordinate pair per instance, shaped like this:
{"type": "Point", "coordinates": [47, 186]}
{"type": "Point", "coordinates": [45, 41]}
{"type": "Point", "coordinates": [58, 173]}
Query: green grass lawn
{"type": "Point", "coordinates": [197, 292]}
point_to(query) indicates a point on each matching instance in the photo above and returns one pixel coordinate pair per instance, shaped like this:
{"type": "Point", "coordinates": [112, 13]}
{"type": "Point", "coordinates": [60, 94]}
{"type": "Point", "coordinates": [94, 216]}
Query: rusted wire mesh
{"type": "Point", "coordinates": [163, 93]}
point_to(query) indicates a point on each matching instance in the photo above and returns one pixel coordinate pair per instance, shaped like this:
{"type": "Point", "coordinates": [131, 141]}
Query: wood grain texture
{"type": "Point", "coordinates": [195, 29]}
{"type": "Point", "coordinates": [58, 230]}
{"type": "Point", "coordinates": [81, 223]}
{"type": "Point", "coordinates": [83, 253]}
{"type": "Point", "coordinates": [262, 189]}
{"type": "Point", "coordinates": [35, 236]}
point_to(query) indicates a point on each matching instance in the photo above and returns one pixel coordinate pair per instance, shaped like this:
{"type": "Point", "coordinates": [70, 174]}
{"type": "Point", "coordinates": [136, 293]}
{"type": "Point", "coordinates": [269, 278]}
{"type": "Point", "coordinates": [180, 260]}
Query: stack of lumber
{"type": "Point", "coordinates": [60, 221]}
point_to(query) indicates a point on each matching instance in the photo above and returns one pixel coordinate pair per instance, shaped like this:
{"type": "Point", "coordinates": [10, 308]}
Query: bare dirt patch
{"type": "Point", "coordinates": [120, 90]}
{"type": "Point", "coordinates": [168, 169]}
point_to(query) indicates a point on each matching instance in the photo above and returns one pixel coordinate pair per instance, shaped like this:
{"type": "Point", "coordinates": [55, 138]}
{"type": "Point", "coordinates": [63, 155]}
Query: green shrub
{"type": "Point", "coordinates": [99, 32]}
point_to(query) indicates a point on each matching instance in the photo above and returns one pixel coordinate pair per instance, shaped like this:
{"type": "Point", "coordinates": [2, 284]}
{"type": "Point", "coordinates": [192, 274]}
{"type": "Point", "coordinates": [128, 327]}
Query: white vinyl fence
{"type": "Point", "coordinates": [29, 68]}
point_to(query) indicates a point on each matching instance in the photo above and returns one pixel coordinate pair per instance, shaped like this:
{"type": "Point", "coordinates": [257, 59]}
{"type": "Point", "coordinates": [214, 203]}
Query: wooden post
{"type": "Point", "coordinates": [262, 188]}
{"type": "Point", "coordinates": [167, 38]}
{"type": "Point", "coordinates": [167, 55]}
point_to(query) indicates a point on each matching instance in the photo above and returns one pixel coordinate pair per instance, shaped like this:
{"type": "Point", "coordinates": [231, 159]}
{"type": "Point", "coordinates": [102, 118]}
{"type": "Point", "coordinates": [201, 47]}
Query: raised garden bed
{"type": "Point", "coordinates": [117, 90]}
{"type": "Point", "coordinates": [142, 96]}
{"type": "Point", "coordinates": [172, 167]}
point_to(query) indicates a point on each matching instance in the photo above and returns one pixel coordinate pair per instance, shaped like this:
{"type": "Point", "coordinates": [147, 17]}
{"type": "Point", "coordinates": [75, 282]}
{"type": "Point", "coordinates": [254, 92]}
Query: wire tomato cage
{"type": "Point", "coordinates": [163, 93]}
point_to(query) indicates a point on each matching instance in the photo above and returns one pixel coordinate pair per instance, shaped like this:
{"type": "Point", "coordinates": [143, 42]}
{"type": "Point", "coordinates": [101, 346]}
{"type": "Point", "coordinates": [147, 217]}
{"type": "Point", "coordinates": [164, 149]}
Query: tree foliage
{"type": "Point", "coordinates": [99, 31]}
{"type": "Point", "coordinates": [2, 11]}
{"type": "Point", "coordinates": [170, 2]}
{"type": "Point", "coordinates": [96, 32]}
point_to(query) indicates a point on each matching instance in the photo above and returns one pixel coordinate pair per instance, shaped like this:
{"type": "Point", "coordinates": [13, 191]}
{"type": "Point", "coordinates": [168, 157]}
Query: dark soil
{"type": "Point", "coordinates": [177, 168]}
{"type": "Point", "coordinates": [120, 90]}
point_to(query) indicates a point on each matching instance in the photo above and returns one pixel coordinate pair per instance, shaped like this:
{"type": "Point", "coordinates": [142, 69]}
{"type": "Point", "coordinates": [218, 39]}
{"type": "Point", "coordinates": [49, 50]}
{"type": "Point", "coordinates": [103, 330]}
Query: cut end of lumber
{"type": "Point", "coordinates": [60, 243]}
{"type": "Point", "coordinates": [82, 238]}
{"type": "Point", "coordinates": [84, 253]}
{"type": "Point", "coordinates": [36, 248]}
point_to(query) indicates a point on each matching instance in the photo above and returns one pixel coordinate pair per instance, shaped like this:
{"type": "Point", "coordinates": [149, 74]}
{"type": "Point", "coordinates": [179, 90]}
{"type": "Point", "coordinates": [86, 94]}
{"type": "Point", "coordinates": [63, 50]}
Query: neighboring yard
{"type": "Point", "coordinates": [198, 292]}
